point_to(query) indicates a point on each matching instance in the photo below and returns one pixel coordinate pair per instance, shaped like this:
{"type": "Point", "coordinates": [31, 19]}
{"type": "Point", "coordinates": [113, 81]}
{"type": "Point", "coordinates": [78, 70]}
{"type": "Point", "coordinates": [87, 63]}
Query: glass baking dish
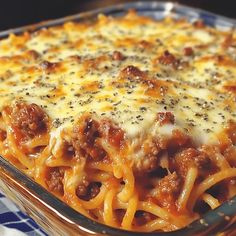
{"type": "Point", "coordinates": [57, 218]}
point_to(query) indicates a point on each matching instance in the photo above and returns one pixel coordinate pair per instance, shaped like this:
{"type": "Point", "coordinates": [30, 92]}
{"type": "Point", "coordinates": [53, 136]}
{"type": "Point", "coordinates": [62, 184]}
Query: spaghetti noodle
{"type": "Point", "coordinates": [130, 121]}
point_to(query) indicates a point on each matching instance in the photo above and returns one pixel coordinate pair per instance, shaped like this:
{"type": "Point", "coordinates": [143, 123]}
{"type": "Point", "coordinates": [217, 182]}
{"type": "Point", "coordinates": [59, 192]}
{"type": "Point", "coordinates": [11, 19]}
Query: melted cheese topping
{"type": "Point", "coordinates": [71, 69]}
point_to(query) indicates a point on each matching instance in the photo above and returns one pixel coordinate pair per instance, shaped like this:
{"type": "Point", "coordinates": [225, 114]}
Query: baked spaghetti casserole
{"type": "Point", "coordinates": [130, 121]}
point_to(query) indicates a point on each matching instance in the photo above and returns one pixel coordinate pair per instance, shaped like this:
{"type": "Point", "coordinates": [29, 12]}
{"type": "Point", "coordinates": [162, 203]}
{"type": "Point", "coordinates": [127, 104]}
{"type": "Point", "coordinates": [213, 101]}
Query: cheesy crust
{"type": "Point", "coordinates": [73, 68]}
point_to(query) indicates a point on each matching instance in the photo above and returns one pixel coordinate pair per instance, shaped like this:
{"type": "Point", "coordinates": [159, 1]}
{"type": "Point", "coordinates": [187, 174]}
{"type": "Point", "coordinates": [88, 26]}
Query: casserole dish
{"type": "Point", "coordinates": [210, 223]}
